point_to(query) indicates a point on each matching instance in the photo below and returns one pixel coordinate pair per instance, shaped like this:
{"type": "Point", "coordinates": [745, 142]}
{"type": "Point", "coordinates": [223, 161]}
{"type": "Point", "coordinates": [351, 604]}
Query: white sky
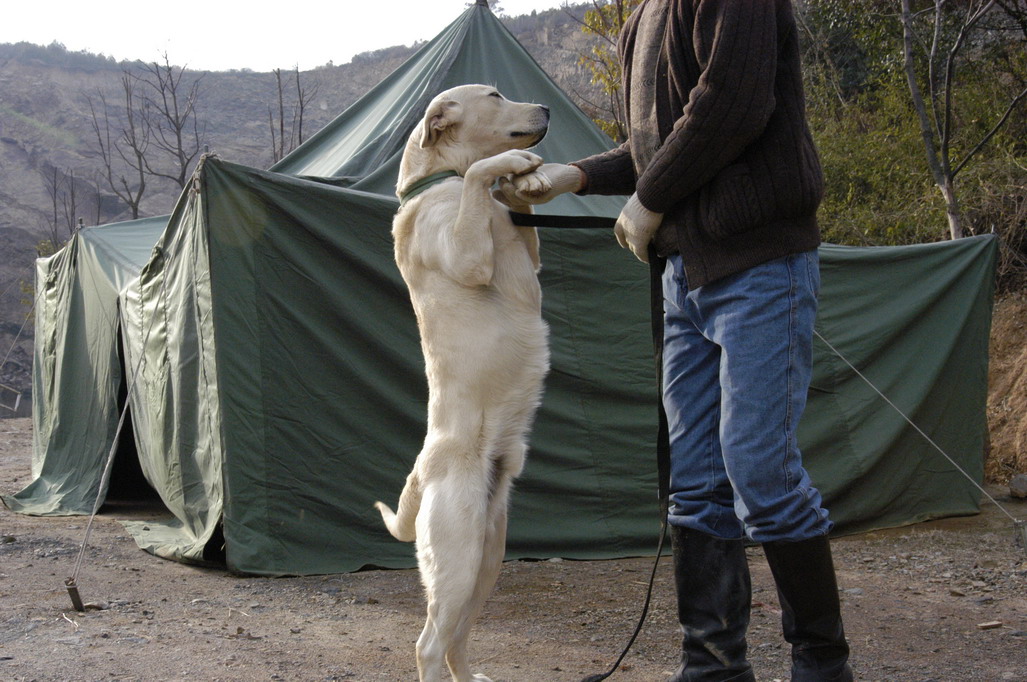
{"type": "Point", "coordinates": [219, 35]}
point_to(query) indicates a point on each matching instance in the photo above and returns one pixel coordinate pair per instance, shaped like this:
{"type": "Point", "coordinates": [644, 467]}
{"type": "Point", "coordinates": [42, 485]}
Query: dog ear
{"type": "Point", "coordinates": [440, 115]}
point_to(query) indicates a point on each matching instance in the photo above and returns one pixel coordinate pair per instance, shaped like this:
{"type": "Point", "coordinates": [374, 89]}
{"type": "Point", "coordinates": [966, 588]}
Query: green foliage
{"type": "Point", "coordinates": [605, 21]}
{"type": "Point", "coordinates": [877, 190]}
{"type": "Point", "coordinates": [55, 135]}
{"type": "Point", "coordinates": [56, 54]}
{"type": "Point", "coordinates": [848, 47]}
{"type": "Point", "coordinates": [880, 190]}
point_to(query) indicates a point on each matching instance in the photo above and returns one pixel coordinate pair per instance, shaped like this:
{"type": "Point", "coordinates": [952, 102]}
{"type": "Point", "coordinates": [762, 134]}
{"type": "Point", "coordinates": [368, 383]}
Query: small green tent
{"type": "Point", "coordinates": [264, 342]}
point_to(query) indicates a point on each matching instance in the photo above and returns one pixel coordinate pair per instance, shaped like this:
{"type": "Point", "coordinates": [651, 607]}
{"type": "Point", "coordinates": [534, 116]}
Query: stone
{"type": "Point", "coordinates": [1018, 486]}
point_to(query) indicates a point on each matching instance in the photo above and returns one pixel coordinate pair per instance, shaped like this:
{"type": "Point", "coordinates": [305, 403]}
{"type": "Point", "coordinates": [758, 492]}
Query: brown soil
{"type": "Point", "coordinates": [945, 600]}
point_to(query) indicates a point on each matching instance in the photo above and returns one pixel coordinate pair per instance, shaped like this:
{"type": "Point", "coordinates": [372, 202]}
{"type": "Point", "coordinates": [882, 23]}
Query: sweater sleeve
{"type": "Point", "coordinates": [611, 172]}
{"type": "Point", "coordinates": [735, 44]}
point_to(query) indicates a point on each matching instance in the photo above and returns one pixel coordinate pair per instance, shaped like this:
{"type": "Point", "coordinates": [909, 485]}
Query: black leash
{"type": "Point", "coordinates": [662, 444]}
{"type": "Point", "coordinates": [561, 221]}
{"type": "Point", "coordinates": [645, 609]}
{"type": "Point", "coordinates": [662, 440]}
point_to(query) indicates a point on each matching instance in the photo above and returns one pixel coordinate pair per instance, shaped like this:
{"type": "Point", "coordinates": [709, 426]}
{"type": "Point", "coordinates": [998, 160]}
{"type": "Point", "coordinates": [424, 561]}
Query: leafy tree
{"type": "Point", "coordinates": [879, 189]}
{"type": "Point", "coordinates": [605, 20]}
{"type": "Point", "coordinates": [941, 41]}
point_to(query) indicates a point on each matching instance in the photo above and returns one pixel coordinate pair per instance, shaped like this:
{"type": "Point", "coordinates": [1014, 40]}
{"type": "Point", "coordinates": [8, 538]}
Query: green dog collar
{"type": "Point", "coordinates": [424, 183]}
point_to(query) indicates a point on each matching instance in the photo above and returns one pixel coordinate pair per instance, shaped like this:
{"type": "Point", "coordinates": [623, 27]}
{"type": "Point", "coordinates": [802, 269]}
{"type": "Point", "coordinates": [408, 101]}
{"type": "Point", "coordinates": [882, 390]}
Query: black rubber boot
{"type": "Point", "coordinates": [810, 611]}
{"type": "Point", "coordinates": [714, 592]}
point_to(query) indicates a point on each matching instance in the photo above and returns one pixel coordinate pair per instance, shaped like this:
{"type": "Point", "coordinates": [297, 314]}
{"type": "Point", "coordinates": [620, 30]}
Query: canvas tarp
{"type": "Point", "coordinates": [281, 384]}
{"type": "Point", "coordinates": [277, 384]}
{"type": "Point", "coordinates": [76, 370]}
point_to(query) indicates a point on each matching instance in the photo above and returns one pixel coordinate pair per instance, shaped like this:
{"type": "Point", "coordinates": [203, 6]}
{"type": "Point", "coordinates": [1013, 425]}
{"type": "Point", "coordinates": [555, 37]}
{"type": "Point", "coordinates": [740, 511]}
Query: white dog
{"type": "Point", "coordinates": [472, 276]}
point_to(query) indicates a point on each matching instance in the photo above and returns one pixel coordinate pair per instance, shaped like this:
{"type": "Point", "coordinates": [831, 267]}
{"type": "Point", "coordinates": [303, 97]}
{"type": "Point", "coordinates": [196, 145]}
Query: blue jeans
{"type": "Point", "coordinates": [737, 361]}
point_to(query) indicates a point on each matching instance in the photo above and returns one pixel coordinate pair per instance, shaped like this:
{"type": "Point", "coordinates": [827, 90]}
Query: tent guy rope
{"type": "Point", "coordinates": [1018, 524]}
{"type": "Point", "coordinates": [71, 583]}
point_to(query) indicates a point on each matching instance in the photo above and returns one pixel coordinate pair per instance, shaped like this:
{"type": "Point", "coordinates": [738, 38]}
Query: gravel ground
{"type": "Point", "coordinates": [944, 600]}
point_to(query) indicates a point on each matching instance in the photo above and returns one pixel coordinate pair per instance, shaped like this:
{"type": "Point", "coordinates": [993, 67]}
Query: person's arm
{"type": "Point", "coordinates": [736, 47]}
{"type": "Point", "coordinates": [611, 172]}
{"type": "Point", "coordinates": [600, 174]}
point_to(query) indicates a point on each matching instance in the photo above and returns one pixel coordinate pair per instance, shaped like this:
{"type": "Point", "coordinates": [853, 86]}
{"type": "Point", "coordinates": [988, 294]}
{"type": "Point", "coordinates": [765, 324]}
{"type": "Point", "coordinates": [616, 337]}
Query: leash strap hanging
{"type": "Point", "coordinates": [656, 267]}
{"type": "Point", "coordinates": [645, 610]}
{"type": "Point", "coordinates": [560, 221]}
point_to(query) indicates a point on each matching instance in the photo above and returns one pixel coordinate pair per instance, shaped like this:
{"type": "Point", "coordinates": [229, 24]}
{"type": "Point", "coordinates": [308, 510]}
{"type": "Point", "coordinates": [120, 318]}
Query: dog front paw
{"type": "Point", "coordinates": [513, 162]}
{"type": "Point", "coordinates": [532, 185]}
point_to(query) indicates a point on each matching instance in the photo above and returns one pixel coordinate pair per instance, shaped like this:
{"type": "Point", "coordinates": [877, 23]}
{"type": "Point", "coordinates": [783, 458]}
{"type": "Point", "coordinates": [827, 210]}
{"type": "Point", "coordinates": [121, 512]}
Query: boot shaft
{"type": "Point", "coordinates": [810, 609]}
{"type": "Point", "coordinates": [711, 576]}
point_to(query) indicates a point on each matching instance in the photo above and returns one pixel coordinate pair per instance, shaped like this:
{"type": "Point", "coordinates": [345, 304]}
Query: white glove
{"type": "Point", "coordinates": [635, 227]}
{"type": "Point", "coordinates": [547, 182]}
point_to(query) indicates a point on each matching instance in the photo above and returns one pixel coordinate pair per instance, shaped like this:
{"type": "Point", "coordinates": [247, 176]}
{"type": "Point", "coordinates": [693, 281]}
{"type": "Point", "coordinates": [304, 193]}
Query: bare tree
{"type": "Point", "coordinates": [282, 143]}
{"type": "Point", "coordinates": [303, 99]}
{"type": "Point", "coordinates": [62, 215]}
{"type": "Point", "coordinates": [96, 197]}
{"type": "Point", "coordinates": [153, 133]}
{"type": "Point", "coordinates": [171, 120]}
{"type": "Point", "coordinates": [937, 41]}
{"type": "Point", "coordinates": [53, 183]}
{"type": "Point", "coordinates": [122, 144]}
{"type": "Point", "coordinates": [278, 142]}
{"type": "Point", "coordinates": [69, 204]}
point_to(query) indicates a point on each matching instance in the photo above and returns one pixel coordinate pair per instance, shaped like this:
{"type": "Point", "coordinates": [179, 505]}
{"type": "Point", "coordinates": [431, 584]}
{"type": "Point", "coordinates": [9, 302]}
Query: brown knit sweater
{"type": "Point", "coordinates": [737, 175]}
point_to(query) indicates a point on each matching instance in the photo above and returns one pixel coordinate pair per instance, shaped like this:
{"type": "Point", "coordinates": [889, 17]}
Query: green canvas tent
{"type": "Point", "coordinates": [264, 342]}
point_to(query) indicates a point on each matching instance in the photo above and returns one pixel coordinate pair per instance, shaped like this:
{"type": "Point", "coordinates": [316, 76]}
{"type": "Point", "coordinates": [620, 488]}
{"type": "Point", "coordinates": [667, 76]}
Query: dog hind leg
{"type": "Point", "coordinates": [494, 549]}
{"type": "Point", "coordinates": [450, 535]}
{"type": "Point", "coordinates": [505, 433]}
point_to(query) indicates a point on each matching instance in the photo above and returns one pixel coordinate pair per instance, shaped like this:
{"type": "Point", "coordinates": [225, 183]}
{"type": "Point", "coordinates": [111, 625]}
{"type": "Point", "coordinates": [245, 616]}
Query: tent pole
{"type": "Point", "coordinates": [72, 582]}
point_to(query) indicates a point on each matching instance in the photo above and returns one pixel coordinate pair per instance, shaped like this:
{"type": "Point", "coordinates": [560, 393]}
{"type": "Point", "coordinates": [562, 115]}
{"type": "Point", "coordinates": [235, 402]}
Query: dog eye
{"type": "Point", "coordinates": [495, 94]}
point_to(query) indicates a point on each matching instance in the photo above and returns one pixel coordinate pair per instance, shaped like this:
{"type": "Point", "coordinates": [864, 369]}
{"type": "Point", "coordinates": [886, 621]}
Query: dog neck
{"type": "Point", "coordinates": [415, 188]}
{"type": "Point", "coordinates": [420, 162]}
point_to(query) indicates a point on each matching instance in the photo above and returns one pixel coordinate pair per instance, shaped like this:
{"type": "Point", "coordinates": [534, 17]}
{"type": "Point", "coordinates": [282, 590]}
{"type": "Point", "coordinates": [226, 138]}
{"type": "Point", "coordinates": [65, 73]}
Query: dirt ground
{"type": "Point", "coordinates": [944, 600]}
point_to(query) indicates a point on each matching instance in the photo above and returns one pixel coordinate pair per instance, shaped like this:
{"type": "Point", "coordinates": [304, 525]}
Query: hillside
{"type": "Point", "coordinates": [46, 128]}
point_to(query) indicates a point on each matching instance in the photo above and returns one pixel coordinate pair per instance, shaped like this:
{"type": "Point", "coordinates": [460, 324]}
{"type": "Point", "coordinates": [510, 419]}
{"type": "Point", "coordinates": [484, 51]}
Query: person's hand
{"type": "Point", "coordinates": [635, 227]}
{"type": "Point", "coordinates": [547, 182]}
{"type": "Point", "coordinates": [506, 193]}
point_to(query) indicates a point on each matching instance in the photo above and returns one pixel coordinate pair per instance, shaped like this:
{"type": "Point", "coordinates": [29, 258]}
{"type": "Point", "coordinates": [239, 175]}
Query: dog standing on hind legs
{"type": "Point", "coordinates": [472, 277]}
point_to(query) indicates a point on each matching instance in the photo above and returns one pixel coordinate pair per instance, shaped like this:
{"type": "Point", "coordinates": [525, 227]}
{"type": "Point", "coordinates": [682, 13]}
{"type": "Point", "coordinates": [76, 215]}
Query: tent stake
{"type": "Point", "coordinates": [76, 600]}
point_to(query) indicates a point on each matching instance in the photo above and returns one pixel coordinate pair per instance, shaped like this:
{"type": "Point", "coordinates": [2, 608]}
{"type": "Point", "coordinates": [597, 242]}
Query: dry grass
{"type": "Point", "coordinates": [1007, 390]}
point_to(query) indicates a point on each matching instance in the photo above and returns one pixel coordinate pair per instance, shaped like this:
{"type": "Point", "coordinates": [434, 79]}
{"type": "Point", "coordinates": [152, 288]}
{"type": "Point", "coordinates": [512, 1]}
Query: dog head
{"type": "Point", "coordinates": [481, 117]}
{"type": "Point", "coordinates": [469, 123]}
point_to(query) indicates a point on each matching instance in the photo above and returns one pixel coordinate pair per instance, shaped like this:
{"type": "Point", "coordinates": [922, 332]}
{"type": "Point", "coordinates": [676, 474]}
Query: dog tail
{"type": "Point", "coordinates": [401, 523]}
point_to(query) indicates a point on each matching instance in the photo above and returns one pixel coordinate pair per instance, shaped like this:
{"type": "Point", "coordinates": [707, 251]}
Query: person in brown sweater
{"type": "Point", "coordinates": [724, 184]}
